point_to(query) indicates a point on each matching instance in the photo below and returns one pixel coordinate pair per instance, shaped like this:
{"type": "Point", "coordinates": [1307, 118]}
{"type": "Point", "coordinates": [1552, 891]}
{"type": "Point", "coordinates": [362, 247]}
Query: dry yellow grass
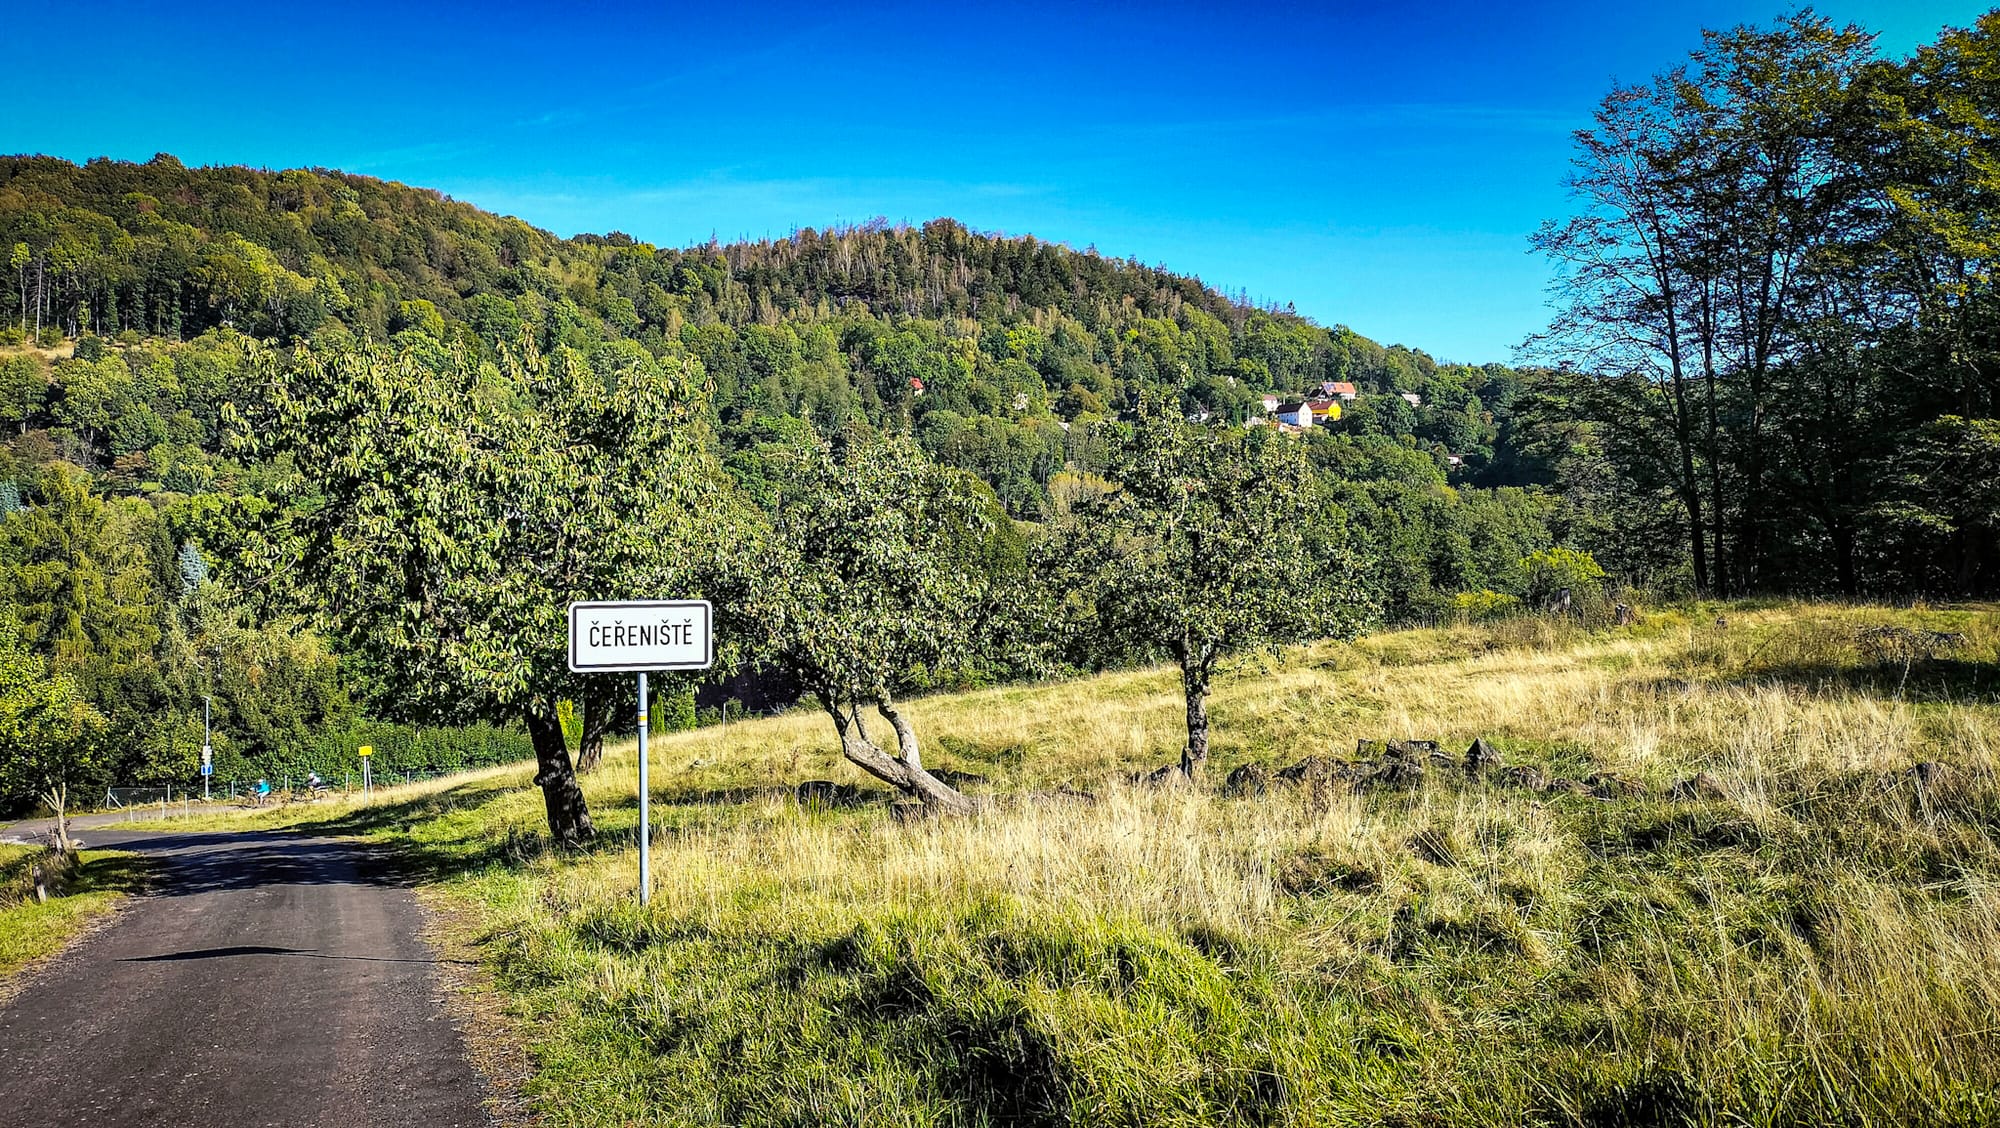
{"type": "Point", "coordinates": [1822, 946]}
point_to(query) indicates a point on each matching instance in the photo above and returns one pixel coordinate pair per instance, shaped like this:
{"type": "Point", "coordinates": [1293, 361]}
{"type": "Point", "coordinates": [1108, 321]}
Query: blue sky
{"type": "Point", "coordinates": [1379, 169]}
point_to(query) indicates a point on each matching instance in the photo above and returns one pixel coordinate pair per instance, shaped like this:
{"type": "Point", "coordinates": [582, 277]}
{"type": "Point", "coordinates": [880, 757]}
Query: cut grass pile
{"type": "Point", "coordinates": [1819, 946]}
{"type": "Point", "coordinates": [79, 893]}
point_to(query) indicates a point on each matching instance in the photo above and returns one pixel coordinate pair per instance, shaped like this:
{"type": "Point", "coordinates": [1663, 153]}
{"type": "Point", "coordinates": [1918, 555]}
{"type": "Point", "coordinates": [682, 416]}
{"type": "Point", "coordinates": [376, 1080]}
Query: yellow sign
{"type": "Point", "coordinates": [367, 750]}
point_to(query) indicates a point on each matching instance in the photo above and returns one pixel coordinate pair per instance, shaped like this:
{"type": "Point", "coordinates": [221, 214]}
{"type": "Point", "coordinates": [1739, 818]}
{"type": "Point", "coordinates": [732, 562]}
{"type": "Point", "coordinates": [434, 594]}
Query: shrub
{"type": "Point", "coordinates": [399, 748]}
{"type": "Point", "coordinates": [1545, 574]}
{"type": "Point", "coordinates": [673, 712]}
{"type": "Point", "coordinates": [1483, 605]}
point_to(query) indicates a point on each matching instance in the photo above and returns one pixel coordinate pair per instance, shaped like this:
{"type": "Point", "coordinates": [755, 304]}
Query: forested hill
{"type": "Point", "coordinates": [987, 349]}
{"type": "Point", "coordinates": [166, 250]}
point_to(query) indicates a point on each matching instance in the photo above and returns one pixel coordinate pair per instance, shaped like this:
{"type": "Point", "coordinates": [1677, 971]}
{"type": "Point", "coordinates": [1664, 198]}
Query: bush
{"type": "Point", "coordinates": [1483, 605]}
{"type": "Point", "coordinates": [1547, 573]}
{"type": "Point", "coordinates": [673, 712]}
{"type": "Point", "coordinates": [333, 753]}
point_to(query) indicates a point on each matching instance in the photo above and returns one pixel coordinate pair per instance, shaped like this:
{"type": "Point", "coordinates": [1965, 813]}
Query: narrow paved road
{"type": "Point", "coordinates": [270, 979]}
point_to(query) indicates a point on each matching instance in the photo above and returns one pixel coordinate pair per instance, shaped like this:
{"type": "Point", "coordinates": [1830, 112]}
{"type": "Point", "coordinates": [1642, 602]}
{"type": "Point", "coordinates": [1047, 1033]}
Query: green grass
{"type": "Point", "coordinates": [1820, 947]}
{"type": "Point", "coordinates": [31, 931]}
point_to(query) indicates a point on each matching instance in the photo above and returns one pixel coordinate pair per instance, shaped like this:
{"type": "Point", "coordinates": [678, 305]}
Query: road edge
{"type": "Point", "coordinates": [13, 982]}
{"type": "Point", "coordinates": [495, 1039]}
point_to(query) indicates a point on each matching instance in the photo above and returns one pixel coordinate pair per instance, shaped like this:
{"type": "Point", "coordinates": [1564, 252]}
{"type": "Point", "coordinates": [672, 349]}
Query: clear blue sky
{"type": "Point", "coordinates": [1379, 169]}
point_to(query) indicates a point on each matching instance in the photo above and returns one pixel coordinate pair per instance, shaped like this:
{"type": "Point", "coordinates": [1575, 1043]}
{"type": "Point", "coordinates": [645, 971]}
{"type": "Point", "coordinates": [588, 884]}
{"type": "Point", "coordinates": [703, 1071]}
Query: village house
{"type": "Point", "coordinates": [1294, 413]}
{"type": "Point", "coordinates": [1338, 389]}
{"type": "Point", "coordinates": [1325, 410]}
{"type": "Point", "coordinates": [1270, 403]}
{"type": "Point", "coordinates": [1414, 399]}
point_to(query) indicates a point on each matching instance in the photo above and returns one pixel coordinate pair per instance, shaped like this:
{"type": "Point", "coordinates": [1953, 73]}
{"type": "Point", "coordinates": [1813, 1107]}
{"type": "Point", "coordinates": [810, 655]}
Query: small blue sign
{"type": "Point", "coordinates": [208, 769]}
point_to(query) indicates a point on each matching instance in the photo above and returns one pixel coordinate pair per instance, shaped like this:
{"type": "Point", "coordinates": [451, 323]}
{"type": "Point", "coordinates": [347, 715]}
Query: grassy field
{"type": "Point", "coordinates": [32, 930]}
{"type": "Point", "coordinates": [1817, 944]}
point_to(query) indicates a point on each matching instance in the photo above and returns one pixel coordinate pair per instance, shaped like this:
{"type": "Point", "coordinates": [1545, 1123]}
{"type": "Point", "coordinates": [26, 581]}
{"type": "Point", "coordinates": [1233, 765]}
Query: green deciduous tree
{"type": "Point", "coordinates": [871, 585]}
{"type": "Point", "coordinates": [463, 506]}
{"type": "Point", "coordinates": [51, 739]}
{"type": "Point", "coordinates": [1214, 542]}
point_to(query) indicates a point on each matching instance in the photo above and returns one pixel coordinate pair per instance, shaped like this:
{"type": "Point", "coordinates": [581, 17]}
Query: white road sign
{"type": "Point", "coordinates": [638, 635]}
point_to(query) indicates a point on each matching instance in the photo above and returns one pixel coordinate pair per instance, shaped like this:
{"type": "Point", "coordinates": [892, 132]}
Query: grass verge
{"type": "Point", "coordinates": [1814, 941]}
{"type": "Point", "coordinates": [80, 894]}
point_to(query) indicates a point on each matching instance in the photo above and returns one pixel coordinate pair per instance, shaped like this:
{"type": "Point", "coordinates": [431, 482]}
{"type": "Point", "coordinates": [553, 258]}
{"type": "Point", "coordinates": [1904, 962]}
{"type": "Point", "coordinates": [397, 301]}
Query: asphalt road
{"type": "Point", "coordinates": [269, 979]}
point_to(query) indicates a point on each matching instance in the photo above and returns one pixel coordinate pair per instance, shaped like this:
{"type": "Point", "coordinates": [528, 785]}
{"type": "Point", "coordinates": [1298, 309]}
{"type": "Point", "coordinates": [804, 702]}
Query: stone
{"type": "Point", "coordinates": [1395, 772]}
{"type": "Point", "coordinates": [1610, 785]}
{"type": "Point", "coordinates": [1481, 759]}
{"type": "Point", "coordinates": [1412, 749]}
{"type": "Point", "coordinates": [826, 793]}
{"type": "Point", "coordinates": [1564, 783]}
{"type": "Point", "coordinates": [1931, 775]}
{"type": "Point", "coordinates": [1248, 779]}
{"type": "Point", "coordinates": [1527, 776]}
{"type": "Point", "coordinates": [1701, 785]}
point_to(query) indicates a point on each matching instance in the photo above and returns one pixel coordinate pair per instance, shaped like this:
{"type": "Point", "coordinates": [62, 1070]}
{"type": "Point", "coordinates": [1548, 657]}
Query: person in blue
{"type": "Point", "coordinates": [263, 791]}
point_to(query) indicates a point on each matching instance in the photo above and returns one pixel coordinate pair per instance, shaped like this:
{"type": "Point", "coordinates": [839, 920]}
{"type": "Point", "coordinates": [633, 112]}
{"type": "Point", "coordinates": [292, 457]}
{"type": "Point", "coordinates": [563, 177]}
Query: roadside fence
{"type": "Point", "coordinates": [283, 788]}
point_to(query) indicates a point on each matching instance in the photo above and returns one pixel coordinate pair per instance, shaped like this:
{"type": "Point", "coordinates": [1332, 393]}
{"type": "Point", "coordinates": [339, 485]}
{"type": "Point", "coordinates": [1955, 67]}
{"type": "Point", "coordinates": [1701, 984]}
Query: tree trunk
{"type": "Point", "coordinates": [569, 815]}
{"type": "Point", "coordinates": [896, 771]}
{"type": "Point", "coordinates": [57, 798]}
{"type": "Point", "coordinates": [906, 737]}
{"type": "Point", "coordinates": [595, 715]}
{"type": "Point", "coordinates": [1843, 559]}
{"type": "Point", "coordinates": [1194, 684]}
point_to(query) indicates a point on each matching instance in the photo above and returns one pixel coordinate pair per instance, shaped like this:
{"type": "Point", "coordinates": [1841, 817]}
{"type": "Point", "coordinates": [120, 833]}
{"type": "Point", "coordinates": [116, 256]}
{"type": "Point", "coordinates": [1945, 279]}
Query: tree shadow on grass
{"type": "Point", "coordinates": [112, 873]}
{"type": "Point", "coordinates": [1937, 681]}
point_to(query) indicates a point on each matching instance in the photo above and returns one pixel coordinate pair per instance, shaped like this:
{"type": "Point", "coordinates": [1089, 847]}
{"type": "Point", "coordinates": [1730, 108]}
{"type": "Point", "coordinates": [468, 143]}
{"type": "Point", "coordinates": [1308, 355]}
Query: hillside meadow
{"type": "Point", "coordinates": [1810, 936]}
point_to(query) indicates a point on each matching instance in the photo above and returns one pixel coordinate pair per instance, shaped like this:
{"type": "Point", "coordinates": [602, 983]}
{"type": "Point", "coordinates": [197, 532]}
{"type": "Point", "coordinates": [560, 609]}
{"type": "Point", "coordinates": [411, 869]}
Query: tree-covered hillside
{"type": "Point", "coordinates": [989, 350]}
{"type": "Point", "coordinates": [329, 449]}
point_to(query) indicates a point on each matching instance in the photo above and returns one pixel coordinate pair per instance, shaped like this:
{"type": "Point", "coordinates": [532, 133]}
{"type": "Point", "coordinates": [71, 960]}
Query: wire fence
{"type": "Point", "coordinates": [283, 789]}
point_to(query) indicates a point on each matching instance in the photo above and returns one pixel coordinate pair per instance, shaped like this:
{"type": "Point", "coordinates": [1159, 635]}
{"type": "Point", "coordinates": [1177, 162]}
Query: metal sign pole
{"type": "Point", "coordinates": [641, 636]}
{"type": "Point", "coordinates": [645, 806]}
{"type": "Point", "coordinates": [207, 751]}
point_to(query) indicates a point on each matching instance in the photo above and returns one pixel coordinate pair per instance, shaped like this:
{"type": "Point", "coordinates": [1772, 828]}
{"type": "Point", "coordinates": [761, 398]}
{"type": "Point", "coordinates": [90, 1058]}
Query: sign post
{"type": "Point", "coordinates": [365, 751]}
{"type": "Point", "coordinates": [642, 636]}
{"type": "Point", "coordinates": [207, 750]}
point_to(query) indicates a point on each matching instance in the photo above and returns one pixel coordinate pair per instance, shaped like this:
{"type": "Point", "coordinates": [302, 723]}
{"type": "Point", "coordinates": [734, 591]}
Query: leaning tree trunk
{"type": "Point", "coordinates": [1194, 684]}
{"type": "Point", "coordinates": [569, 815]}
{"type": "Point", "coordinates": [903, 771]}
{"type": "Point", "coordinates": [57, 798]}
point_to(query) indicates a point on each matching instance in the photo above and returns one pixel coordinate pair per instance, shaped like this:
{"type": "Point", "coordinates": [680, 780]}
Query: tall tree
{"type": "Point", "coordinates": [51, 739]}
{"type": "Point", "coordinates": [462, 507]}
{"type": "Point", "coordinates": [1704, 199]}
